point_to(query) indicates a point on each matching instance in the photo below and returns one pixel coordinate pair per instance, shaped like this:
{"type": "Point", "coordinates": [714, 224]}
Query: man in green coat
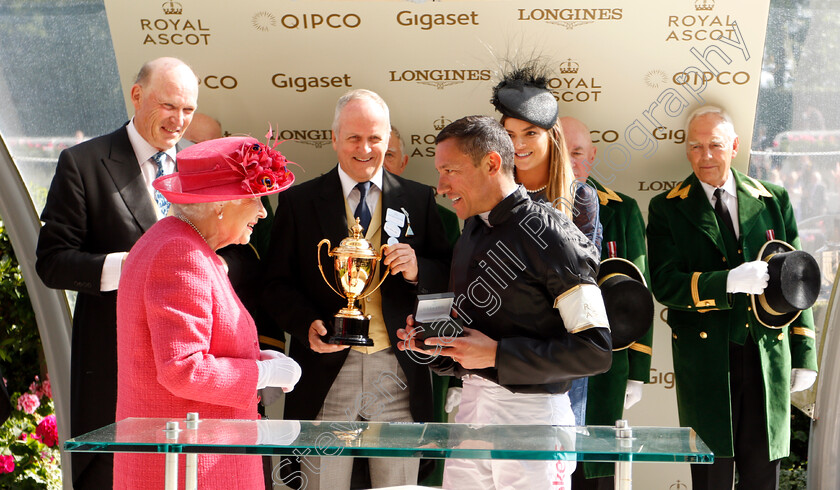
{"type": "Point", "coordinates": [734, 375]}
{"type": "Point", "coordinates": [608, 394]}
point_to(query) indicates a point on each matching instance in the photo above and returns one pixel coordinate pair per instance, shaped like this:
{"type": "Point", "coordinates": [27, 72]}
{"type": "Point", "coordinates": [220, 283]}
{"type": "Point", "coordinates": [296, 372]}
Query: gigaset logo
{"type": "Point", "coordinates": [426, 22]}
{"type": "Point", "coordinates": [302, 84]}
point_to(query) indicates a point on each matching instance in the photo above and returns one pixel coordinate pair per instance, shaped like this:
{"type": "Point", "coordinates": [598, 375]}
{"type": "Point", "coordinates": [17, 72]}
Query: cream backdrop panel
{"type": "Point", "coordinates": [630, 70]}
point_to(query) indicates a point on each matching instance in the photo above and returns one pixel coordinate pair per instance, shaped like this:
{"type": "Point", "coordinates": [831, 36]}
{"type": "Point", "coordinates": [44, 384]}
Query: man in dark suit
{"type": "Point", "coordinates": [610, 393]}
{"type": "Point", "coordinates": [100, 202]}
{"type": "Point", "coordinates": [345, 385]}
{"type": "Point", "coordinates": [734, 373]}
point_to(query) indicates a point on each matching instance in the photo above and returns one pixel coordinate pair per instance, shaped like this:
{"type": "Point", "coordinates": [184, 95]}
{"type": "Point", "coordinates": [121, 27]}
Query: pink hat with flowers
{"type": "Point", "coordinates": [225, 169]}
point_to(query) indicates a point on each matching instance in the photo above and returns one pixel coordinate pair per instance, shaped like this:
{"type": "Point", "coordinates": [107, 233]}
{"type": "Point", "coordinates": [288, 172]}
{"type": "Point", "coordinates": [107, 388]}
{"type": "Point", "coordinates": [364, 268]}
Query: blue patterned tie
{"type": "Point", "coordinates": [362, 209]}
{"type": "Point", "coordinates": [161, 201]}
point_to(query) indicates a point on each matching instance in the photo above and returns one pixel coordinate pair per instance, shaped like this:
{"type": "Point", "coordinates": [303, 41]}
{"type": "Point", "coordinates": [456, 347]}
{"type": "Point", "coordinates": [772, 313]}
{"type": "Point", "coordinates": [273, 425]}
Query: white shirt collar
{"type": "Point", "coordinates": [485, 216]}
{"type": "Point", "coordinates": [728, 187]}
{"type": "Point", "coordinates": [348, 184]}
{"type": "Point", "coordinates": [142, 149]}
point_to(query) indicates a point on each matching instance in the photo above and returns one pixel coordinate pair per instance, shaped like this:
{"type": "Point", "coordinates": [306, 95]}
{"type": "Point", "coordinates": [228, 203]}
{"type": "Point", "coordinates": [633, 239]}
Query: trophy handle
{"type": "Point", "coordinates": [384, 276]}
{"type": "Point", "coordinates": [325, 240]}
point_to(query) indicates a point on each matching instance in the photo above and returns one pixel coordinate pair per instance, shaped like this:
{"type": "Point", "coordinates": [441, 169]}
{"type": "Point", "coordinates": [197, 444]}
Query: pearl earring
{"type": "Point", "coordinates": [220, 215]}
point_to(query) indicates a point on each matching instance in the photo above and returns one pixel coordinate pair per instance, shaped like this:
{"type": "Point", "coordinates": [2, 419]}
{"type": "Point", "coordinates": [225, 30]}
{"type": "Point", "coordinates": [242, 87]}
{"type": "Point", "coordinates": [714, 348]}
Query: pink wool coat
{"type": "Point", "coordinates": [185, 344]}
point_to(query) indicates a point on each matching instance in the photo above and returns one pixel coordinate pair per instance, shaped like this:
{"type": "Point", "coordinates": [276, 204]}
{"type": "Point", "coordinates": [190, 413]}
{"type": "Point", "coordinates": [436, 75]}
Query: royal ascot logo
{"type": "Point", "coordinates": [263, 21]}
{"type": "Point", "coordinates": [655, 78]}
{"type": "Point", "coordinates": [702, 26]}
{"type": "Point", "coordinates": [439, 78]}
{"type": "Point", "coordinates": [304, 83]}
{"type": "Point", "coordinates": [427, 22]}
{"type": "Point", "coordinates": [313, 137]}
{"type": "Point", "coordinates": [569, 67]}
{"type": "Point", "coordinates": [704, 5]}
{"type": "Point", "coordinates": [570, 18]}
{"type": "Point", "coordinates": [172, 30]}
{"type": "Point", "coordinates": [568, 87]}
{"type": "Point", "coordinates": [424, 144]}
{"type": "Point", "coordinates": [172, 8]}
{"type": "Point", "coordinates": [441, 123]}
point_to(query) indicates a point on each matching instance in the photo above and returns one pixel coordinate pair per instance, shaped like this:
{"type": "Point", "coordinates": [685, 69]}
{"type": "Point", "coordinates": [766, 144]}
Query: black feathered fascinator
{"type": "Point", "coordinates": [523, 94]}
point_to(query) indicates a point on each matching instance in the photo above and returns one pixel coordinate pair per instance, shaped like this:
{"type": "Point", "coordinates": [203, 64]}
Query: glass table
{"type": "Point", "coordinates": [621, 444]}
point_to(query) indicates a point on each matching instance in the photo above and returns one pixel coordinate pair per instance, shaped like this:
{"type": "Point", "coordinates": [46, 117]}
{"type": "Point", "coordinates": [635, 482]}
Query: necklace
{"type": "Point", "coordinates": [187, 221]}
{"type": "Point", "coordinates": [534, 191]}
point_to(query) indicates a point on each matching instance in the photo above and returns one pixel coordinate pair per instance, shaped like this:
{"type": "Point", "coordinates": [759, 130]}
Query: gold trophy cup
{"type": "Point", "coordinates": [355, 262]}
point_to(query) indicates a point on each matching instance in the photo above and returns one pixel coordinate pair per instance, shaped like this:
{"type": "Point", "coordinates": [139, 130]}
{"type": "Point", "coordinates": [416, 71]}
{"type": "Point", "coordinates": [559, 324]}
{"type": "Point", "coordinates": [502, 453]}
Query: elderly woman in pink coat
{"type": "Point", "coordinates": [185, 343]}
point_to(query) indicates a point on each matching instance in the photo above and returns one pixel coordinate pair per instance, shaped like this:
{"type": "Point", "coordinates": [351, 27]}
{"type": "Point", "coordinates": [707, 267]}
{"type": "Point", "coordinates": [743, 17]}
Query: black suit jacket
{"type": "Point", "coordinates": [296, 295]}
{"type": "Point", "coordinates": [97, 204]}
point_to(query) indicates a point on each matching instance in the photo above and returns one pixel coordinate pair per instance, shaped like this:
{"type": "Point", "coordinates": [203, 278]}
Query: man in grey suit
{"type": "Point", "coordinates": [100, 202]}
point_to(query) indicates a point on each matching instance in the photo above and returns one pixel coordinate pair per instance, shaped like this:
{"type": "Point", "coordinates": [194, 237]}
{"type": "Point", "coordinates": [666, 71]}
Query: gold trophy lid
{"type": "Point", "coordinates": [355, 245]}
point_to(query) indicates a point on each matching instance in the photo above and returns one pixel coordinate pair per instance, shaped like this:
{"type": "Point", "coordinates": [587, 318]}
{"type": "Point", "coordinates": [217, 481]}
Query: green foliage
{"type": "Point", "coordinates": [794, 468]}
{"type": "Point", "coordinates": [19, 340]}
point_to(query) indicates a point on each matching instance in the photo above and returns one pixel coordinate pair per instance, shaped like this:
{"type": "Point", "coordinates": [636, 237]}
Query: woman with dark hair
{"type": "Point", "coordinates": [185, 343]}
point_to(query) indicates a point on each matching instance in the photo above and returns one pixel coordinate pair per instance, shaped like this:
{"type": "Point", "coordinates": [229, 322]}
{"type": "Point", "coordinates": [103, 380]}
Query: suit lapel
{"type": "Point", "coordinates": [699, 213]}
{"type": "Point", "coordinates": [392, 194]}
{"type": "Point", "coordinates": [329, 207]}
{"type": "Point", "coordinates": [124, 169]}
{"type": "Point", "coordinates": [605, 213]}
{"type": "Point", "coordinates": [750, 206]}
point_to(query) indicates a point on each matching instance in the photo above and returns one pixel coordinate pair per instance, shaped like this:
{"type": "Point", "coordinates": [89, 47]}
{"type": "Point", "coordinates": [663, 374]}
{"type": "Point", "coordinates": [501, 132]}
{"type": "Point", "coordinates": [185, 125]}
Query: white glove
{"type": "Point", "coordinates": [280, 371]}
{"type": "Point", "coordinates": [633, 394]}
{"type": "Point", "coordinates": [270, 354]}
{"type": "Point", "coordinates": [277, 432]}
{"type": "Point", "coordinates": [749, 277]}
{"type": "Point", "coordinates": [453, 399]}
{"type": "Point", "coordinates": [801, 379]}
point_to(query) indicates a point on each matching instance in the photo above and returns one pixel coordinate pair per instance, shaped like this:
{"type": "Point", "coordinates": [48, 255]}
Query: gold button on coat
{"type": "Point", "coordinates": [781, 336]}
{"type": "Point", "coordinates": [703, 335]}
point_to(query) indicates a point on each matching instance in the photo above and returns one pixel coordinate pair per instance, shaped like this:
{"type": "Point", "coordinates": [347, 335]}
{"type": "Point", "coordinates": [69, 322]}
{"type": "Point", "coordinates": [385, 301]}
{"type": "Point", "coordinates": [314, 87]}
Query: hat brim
{"type": "Point", "coordinates": [761, 309]}
{"type": "Point", "coordinates": [631, 302]}
{"type": "Point", "coordinates": [170, 187]}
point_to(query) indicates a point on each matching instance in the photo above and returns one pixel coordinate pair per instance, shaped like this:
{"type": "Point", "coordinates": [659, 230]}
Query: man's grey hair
{"type": "Point", "coordinates": [399, 138]}
{"type": "Point", "coordinates": [711, 109]}
{"type": "Point", "coordinates": [358, 94]}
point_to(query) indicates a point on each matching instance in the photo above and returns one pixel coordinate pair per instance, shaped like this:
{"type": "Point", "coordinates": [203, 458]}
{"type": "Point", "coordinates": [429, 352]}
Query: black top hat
{"type": "Point", "coordinates": [523, 94]}
{"type": "Point", "coordinates": [793, 286]}
{"type": "Point", "coordinates": [627, 299]}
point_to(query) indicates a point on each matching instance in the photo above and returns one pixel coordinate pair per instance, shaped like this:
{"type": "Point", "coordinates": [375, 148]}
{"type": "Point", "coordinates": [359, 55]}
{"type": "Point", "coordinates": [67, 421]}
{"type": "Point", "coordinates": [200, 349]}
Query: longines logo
{"type": "Point", "coordinates": [263, 21]}
{"type": "Point", "coordinates": [314, 137]}
{"type": "Point", "coordinates": [427, 22]}
{"type": "Point", "coordinates": [439, 78]}
{"type": "Point", "coordinates": [302, 84]}
{"type": "Point", "coordinates": [657, 185]}
{"type": "Point", "coordinates": [570, 18]}
{"type": "Point", "coordinates": [700, 27]}
{"type": "Point", "coordinates": [678, 485]}
{"type": "Point", "coordinates": [424, 144]}
{"type": "Point", "coordinates": [570, 88]}
{"type": "Point", "coordinates": [174, 30]}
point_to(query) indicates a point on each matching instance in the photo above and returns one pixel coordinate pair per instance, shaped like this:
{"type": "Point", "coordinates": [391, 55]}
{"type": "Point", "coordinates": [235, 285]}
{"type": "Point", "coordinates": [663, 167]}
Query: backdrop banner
{"type": "Point", "coordinates": [631, 71]}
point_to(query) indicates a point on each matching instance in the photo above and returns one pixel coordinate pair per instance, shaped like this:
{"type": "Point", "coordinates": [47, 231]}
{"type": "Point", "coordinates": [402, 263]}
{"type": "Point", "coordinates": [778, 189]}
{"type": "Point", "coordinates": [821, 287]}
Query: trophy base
{"type": "Point", "coordinates": [350, 331]}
